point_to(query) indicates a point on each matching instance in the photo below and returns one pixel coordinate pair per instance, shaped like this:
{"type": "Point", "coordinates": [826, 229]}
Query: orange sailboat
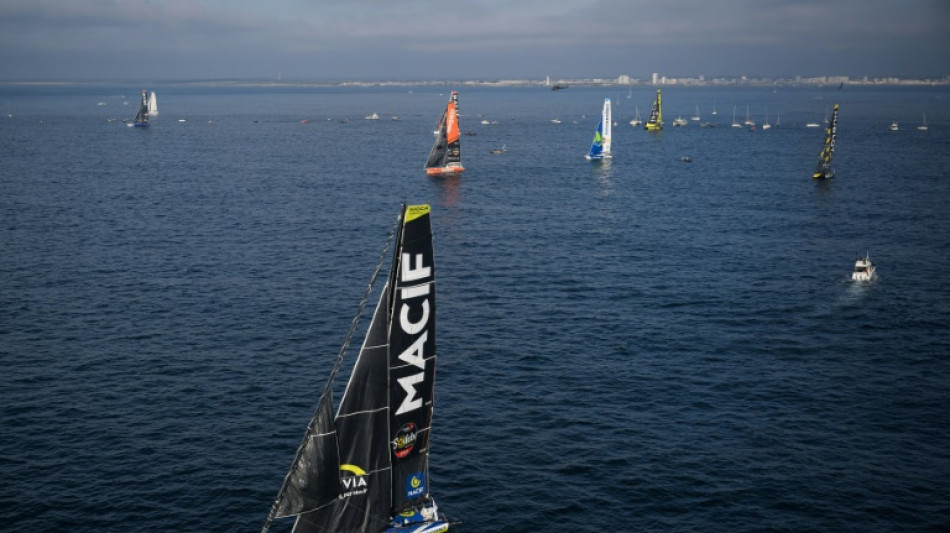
{"type": "Point", "coordinates": [445, 156]}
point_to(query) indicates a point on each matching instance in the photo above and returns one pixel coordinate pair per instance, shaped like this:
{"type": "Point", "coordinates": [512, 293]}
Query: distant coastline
{"type": "Point", "coordinates": [623, 80]}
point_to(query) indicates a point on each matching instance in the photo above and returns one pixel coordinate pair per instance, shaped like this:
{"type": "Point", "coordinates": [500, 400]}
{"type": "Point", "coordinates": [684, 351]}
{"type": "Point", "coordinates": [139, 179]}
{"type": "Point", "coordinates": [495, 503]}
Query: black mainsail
{"type": "Point", "coordinates": [366, 469]}
{"type": "Point", "coordinates": [445, 157]}
{"type": "Point", "coordinates": [141, 118]}
{"type": "Point", "coordinates": [824, 169]}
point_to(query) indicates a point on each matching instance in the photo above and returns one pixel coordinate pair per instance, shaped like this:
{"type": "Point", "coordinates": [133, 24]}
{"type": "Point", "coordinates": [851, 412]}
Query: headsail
{"type": "Point", "coordinates": [600, 145]}
{"type": "Point", "coordinates": [446, 156]}
{"type": "Point", "coordinates": [824, 169]}
{"type": "Point", "coordinates": [655, 123]}
{"type": "Point", "coordinates": [152, 104]}
{"type": "Point", "coordinates": [356, 471]}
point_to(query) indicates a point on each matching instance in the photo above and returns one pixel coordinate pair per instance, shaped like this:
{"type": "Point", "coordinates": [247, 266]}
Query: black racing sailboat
{"type": "Point", "coordinates": [141, 118]}
{"type": "Point", "coordinates": [824, 170]}
{"type": "Point", "coordinates": [367, 468]}
{"type": "Point", "coordinates": [445, 157]}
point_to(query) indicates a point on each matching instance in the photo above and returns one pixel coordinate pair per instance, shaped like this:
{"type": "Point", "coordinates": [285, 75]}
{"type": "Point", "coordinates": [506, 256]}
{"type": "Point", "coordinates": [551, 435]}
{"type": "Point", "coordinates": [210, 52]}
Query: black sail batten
{"type": "Point", "coordinates": [315, 481]}
{"type": "Point", "coordinates": [412, 359]}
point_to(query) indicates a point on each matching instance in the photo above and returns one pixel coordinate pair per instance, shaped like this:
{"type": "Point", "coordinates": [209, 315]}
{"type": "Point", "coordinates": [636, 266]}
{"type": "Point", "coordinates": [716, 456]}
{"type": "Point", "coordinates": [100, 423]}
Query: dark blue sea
{"type": "Point", "coordinates": [640, 345]}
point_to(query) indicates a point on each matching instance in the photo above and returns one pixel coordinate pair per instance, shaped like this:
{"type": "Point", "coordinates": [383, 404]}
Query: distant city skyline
{"type": "Point", "coordinates": [478, 39]}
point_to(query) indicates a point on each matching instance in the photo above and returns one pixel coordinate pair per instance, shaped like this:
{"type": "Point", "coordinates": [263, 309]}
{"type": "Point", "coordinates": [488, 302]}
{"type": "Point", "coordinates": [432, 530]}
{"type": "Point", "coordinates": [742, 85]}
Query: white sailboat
{"type": "Point", "coordinates": [636, 119]}
{"type": "Point", "coordinates": [734, 123]}
{"type": "Point", "coordinates": [152, 104]}
{"type": "Point", "coordinates": [600, 145]}
{"type": "Point", "coordinates": [923, 125]}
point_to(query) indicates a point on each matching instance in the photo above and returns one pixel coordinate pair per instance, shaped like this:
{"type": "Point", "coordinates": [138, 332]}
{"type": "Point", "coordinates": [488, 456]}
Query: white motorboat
{"type": "Point", "coordinates": [864, 269]}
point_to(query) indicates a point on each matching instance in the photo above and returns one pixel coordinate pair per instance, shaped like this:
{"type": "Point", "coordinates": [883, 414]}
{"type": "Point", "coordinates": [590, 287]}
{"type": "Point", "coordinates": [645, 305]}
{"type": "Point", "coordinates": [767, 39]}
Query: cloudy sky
{"type": "Point", "coordinates": [470, 39]}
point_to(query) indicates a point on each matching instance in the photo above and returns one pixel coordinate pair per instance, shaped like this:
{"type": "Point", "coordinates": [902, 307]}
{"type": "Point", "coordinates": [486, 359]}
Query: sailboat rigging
{"type": "Point", "coordinates": [445, 156]}
{"type": "Point", "coordinates": [824, 169]}
{"type": "Point", "coordinates": [367, 467]}
{"type": "Point", "coordinates": [600, 145]}
{"type": "Point", "coordinates": [655, 122]}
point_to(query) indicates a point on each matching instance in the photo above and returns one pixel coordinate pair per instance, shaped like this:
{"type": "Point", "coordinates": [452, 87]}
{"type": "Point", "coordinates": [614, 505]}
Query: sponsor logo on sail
{"type": "Point", "coordinates": [405, 440]}
{"type": "Point", "coordinates": [353, 479]}
{"type": "Point", "coordinates": [415, 485]}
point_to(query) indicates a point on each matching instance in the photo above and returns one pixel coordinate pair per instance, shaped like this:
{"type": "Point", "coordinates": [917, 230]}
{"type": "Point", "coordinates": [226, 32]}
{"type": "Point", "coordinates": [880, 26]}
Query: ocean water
{"type": "Point", "coordinates": [639, 345]}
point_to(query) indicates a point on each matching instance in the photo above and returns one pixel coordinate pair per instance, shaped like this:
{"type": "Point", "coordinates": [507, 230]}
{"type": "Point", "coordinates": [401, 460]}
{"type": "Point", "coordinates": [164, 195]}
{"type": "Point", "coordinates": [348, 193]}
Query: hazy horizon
{"type": "Point", "coordinates": [480, 39]}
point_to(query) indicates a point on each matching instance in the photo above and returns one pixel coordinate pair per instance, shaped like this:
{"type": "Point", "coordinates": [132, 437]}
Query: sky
{"type": "Point", "coordinates": [470, 39]}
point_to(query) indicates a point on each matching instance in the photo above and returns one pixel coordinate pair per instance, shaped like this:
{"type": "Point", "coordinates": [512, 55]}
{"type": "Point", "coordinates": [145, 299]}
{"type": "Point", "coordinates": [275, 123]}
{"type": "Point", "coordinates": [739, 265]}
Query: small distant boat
{"type": "Point", "coordinates": [734, 123]}
{"type": "Point", "coordinates": [766, 125]}
{"type": "Point", "coordinates": [555, 121]}
{"type": "Point", "coordinates": [141, 118]}
{"type": "Point", "coordinates": [695, 118]}
{"type": "Point", "coordinates": [894, 126]}
{"type": "Point", "coordinates": [365, 467]}
{"type": "Point", "coordinates": [446, 156]}
{"type": "Point", "coordinates": [748, 119]}
{"type": "Point", "coordinates": [812, 125]}
{"type": "Point", "coordinates": [824, 170]}
{"type": "Point", "coordinates": [636, 119]}
{"type": "Point", "coordinates": [374, 116]}
{"type": "Point", "coordinates": [503, 149]}
{"type": "Point", "coordinates": [558, 87]}
{"type": "Point", "coordinates": [864, 269]}
{"type": "Point", "coordinates": [655, 122]}
{"type": "Point", "coordinates": [687, 159]}
{"type": "Point", "coordinates": [923, 125]}
{"type": "Point", "coordinates": [680, 121]}
{"type": "Point", "coordinates": [152, 104]}
{"type": "Point", "coordinates": [600, 145]}
{"type": "Point", "coordinates": [714, 112]}
{"type": "Point", "coordinates": [101, 104]}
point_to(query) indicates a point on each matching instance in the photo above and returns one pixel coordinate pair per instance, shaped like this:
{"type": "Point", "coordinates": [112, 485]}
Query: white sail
{"type": "Point", "coordinates": [152, 105]}
{"type": "Point", "coordinates": [608, 124]}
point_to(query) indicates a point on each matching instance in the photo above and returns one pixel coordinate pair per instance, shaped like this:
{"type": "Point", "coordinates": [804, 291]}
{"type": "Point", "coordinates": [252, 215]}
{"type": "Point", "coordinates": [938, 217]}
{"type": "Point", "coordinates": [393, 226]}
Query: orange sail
{"type": "Point", "coordinates": [446, 156]}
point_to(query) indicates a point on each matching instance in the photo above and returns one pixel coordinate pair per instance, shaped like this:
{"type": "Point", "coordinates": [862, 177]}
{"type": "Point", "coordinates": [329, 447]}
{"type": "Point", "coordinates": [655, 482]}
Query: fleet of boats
{"type": "Point", "coordinates": [366, 468]}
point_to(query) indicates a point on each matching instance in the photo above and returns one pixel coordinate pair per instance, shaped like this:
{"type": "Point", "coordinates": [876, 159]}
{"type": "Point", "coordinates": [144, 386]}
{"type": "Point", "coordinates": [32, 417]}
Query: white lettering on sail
{"type": "Point", "coordinates": [410, 402]}
{"type": "Point", "coordinates": [414, 355]}
{"type": "Point", "coordinates": [413, 327]}
{"type": "Point", "coordinates": [413, 274]}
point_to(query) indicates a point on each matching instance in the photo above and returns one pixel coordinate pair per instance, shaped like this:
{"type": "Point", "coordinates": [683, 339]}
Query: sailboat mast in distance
{"type": "Point", "coordinates": [600, 145]}
{"type": "Point", "coordinates": [141, 118]}
{"type": "Point", "coordinates": [446, 154]}
{"type": "Point", "coordinates": [824, 170]}
{"type": "Point", "coordinates": [655, 123]}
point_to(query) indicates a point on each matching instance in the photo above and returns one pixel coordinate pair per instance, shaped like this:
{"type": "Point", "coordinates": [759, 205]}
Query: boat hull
{"type": "Point", "coordinates": [428, 527]}
{"type": "Point", "coordinates": [438, 171]}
